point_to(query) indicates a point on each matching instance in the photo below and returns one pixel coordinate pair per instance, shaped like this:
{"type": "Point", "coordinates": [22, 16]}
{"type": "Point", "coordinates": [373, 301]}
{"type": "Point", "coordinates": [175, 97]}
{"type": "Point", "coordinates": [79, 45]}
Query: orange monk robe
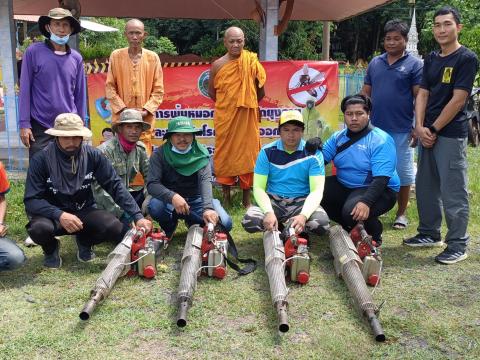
{"type": "Point", "coordinates": [237, 116]}
{"type": "Point", "coordinates": [138, 86]}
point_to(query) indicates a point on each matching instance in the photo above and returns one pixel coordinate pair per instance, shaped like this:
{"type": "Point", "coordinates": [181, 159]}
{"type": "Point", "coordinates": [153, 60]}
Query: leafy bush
{"type": "Point", "coordinates": [101, 44]}
{"type": "Point", "coordinates": [161, 45]}
{"type": "Point", "coordinates": [208, 48]}
{"type": "Point", "coordinates": [339, 56]}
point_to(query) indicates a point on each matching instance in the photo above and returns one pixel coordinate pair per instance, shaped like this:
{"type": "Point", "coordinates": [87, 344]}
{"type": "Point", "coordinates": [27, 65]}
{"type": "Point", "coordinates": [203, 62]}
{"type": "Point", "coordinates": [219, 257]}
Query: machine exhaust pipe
{"type": "Point", "coordinates": [282, 316]}
{"type": "Point", "coordinates": [347, 261]}
{"type": "Point", "coordinates": [191, 263]}
{"type": "Point", "coordinates": [182, 312]}
{"type": "Point", "coordinates": [275, 268]}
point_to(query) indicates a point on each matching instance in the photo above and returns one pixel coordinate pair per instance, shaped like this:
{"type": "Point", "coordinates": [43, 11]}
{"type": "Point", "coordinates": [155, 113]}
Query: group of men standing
{"type": "Point", "coordinates": [96, 194]}
{"type": "Point", "coordinates": [438, 93]}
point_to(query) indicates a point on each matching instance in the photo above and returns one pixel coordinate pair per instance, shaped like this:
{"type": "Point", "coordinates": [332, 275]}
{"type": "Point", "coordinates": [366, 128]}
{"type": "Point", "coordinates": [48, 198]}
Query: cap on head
{"type": "Point", "coordinates": [131, 116]}
{"type": "Point", "coordinates": [69, 124]}
{"type": "Point", "coordinates": [57, 14]}
{"type": "Point", "coordinates": [291, 117]}
{"type": "Point", "coordinates": [181, 124]}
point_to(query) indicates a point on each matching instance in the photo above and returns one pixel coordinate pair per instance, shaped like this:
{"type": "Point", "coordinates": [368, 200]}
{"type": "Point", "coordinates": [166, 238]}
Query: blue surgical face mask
{"type": "Point", "coordinates": [59, 40]}
{"type": "Point", "coordinates": [178, 151]}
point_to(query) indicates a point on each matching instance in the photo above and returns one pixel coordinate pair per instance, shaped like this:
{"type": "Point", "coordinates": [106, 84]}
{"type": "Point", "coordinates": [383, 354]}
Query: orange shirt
{"type": "Point", "coordinates": [136, 86]}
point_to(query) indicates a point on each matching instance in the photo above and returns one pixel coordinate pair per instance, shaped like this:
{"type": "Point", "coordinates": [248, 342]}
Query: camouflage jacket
{"type": "Point", "coordinates": [129, 167]}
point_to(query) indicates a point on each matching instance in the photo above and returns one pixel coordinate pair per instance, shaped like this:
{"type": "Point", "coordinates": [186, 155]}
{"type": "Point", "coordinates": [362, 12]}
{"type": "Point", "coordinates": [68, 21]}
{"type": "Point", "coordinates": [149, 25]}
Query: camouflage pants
{"type": "Point", "coordinates": [285, 209]}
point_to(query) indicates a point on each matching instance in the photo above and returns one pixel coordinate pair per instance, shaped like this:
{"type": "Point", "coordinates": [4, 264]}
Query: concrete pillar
{"type": "Point", "coordinates": [326, 41]}
{"type": "Point", "coordinates": [268, 41]}
{"type": "Point", "coordinates": [9, 139]}
{"type": "Point", "coordinates": [74, 42]}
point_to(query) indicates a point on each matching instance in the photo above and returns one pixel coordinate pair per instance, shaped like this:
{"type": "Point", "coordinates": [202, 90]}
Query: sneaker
{"type": "Point", "coordinates": [449, 256]}
{"type": "Point", "coordinates": [29, 242]}
{"type": "Point", "coordinates": [84, 253]}
{"type": "Point", "coordinates": [421, 240]}
{"type": "Point", "coordinates": [53, 260]}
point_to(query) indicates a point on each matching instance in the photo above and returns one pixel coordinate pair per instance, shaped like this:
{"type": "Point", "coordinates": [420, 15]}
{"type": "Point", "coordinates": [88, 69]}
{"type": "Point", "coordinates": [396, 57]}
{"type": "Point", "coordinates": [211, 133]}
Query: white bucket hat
{"type": "Point", "coordinates": [69, 124]}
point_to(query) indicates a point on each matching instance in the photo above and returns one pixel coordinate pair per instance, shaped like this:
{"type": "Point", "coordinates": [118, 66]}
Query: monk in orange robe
{"type": "Point", "coordinates": [236, 85]}
{"type": "Point", "coordinates": [135, 79]}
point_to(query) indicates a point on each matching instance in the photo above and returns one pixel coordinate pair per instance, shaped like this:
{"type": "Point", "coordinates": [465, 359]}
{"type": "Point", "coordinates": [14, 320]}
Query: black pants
{"type": "Point", "coordinates": [41, 139]}
{"type": "Point", "coordinates": [98, 226]}
{"type": "Point", "coordinates": [339, 201]}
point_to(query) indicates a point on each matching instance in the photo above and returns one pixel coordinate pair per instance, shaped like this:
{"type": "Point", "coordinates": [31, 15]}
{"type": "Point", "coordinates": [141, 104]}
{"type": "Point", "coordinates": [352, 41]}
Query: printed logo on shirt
{"type": "Point", "coordinates": [447, 75]}
{"type": "Point", "coordinates": [362, 147]}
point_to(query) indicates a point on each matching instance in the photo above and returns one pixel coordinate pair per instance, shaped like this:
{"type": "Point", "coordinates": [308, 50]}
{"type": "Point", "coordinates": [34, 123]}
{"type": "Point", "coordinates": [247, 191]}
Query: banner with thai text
{"type": "Point", "coordinates": [290, 85]}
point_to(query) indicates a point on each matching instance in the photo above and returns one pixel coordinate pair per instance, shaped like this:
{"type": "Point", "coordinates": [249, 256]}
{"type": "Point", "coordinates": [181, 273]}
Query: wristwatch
{"type": "Point", "coordinates": [432, 129]}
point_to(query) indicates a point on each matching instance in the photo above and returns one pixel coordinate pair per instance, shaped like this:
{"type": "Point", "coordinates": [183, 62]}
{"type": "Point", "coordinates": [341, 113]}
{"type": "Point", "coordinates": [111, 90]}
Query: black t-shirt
{"type": "Point", "coordinates": [441, 75]}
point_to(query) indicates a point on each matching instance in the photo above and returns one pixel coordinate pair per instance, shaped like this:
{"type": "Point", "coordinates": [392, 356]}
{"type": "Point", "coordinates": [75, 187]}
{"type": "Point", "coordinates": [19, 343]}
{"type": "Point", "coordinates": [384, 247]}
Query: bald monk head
{"type": "Point", "coordinates": [135, 33]}
{"type": "Point", "coordinates": [234, 41]}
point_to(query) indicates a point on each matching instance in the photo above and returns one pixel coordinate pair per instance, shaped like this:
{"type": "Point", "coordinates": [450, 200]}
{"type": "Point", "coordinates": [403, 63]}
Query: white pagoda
{"type": "Point", "coordinates": [413, 37]}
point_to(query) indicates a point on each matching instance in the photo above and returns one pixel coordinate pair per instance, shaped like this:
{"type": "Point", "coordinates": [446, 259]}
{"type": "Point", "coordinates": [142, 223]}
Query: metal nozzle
{"type": "Point", "coordinates": [282, 315]}
{"type": "Point", "coordinates": [182, 312]}
{"type": "Point", "coordinates": [90, 305]}
{"type": "Point", "coordinates": [375, 325]}
{"type": "Point", "coordinates": [88, 309]}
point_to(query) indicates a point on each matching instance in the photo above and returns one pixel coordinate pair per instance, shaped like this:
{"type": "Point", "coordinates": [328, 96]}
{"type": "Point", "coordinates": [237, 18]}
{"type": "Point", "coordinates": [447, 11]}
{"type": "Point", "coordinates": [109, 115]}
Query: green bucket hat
{"type": "Point", "coordinates": [181, 124]}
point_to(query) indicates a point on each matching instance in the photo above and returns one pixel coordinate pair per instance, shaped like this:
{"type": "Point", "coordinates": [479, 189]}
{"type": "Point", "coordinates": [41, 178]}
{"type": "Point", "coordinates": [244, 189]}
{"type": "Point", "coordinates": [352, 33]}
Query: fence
{"type": "Point", "coordinates": [350, 82]}
{"type": "Point", "coordinates": [15, 156]}
{"type": "Point", "coordinates": [12, 152]}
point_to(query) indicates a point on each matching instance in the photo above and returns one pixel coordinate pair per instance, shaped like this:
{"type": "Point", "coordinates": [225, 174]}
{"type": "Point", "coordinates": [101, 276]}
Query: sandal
{"type": "Point", "coordinates": [400, 223]}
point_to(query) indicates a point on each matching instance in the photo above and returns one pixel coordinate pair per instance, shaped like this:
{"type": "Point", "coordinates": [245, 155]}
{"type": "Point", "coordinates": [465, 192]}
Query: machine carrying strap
{"type": "Point", "coordinates": [251, 264]}
{"type": "Point", "coordinates": [355, 137]}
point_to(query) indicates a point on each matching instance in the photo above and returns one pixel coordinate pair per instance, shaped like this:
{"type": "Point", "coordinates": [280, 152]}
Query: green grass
{"type": "Point", "coordinates": [431, 311]}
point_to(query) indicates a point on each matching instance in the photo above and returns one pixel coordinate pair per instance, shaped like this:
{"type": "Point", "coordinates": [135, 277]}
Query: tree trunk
{"type": "Point", "coordinates": [377, 38]}
{"type": "Point", "coordinates": [355, 46]}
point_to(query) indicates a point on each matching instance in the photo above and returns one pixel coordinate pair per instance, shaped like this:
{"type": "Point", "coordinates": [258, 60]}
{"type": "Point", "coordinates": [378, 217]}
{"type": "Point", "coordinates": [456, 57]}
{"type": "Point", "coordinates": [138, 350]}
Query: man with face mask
{"type": "Point", "coordinates": [179, 181]}
{"type": "Point", "coordinates": [58, 194]}
{"type": "Point", "coordinates": [52, 80]}
{"type": "Point", "coordinates": [129, 158]}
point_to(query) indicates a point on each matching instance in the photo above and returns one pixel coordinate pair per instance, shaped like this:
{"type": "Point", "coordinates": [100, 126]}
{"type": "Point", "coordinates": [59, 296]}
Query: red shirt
{"type": "Point", "coordinates": [4, 184]}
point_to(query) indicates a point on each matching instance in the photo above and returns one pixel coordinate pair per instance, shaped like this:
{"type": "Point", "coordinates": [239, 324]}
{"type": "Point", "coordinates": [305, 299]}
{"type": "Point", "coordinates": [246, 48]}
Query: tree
{"type": "Point", "coordinates": [95, 45]}
{"type": "Point", "coordinates": [302, 40]}
{"type": "Point", "coordinates": [470, 34]}
{"type": "Point", "coordinates": [160, 45]}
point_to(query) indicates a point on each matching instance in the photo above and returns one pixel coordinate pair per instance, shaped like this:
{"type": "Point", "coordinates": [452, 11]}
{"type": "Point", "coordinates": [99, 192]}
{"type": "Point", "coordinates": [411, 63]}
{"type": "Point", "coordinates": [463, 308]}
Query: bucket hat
{"type": "Point", "coordinates": [57, 14]}
{"type": "Point", "coordinates": [131, 116]}
{"type": "Point", "coordinates": [69, 124]}
{"type": "Point", "coordinates": [181, 124]}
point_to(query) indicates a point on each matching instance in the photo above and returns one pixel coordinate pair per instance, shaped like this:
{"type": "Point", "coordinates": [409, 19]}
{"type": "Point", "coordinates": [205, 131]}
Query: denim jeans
{"type": "Point", "coordinates": [11, 256]}
{"type": "Point", "coordinates": [166, 216]}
